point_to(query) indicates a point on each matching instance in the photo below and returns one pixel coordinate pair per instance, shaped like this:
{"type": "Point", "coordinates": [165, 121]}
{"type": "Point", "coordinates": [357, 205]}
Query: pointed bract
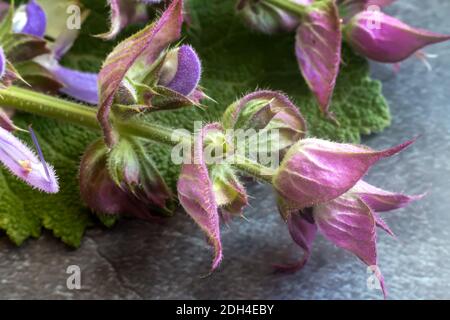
{"type": "Point", "coordinates": [315, 171]}
{"type": "Point", "coordinates": [350, 224]}
{"type": "Point", "coordinates": [149, 42]}
{"type": "Point", "coordinates": [387, 39]}
{"type": "Point", "coordinates": [380, 200]}
{"type": "Point", "coordinates": [318, 50]}
{"type": "Point", "coordinates": [196, 195]}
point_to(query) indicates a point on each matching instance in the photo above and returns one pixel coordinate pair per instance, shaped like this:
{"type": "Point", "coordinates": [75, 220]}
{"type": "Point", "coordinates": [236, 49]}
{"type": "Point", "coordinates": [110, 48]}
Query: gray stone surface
{"type": "Point", "coordinates": [140, 260]}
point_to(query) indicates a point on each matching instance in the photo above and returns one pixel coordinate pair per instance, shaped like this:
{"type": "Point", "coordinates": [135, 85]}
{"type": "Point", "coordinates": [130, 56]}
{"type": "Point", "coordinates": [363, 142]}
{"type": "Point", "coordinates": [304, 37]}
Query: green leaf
{"type": "Point", "coordinates": [235, 61]}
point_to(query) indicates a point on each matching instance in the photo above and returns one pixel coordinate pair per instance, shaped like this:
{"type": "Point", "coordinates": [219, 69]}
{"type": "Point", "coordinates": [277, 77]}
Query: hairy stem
{"type": "Point", "coordinates": [59, 109]}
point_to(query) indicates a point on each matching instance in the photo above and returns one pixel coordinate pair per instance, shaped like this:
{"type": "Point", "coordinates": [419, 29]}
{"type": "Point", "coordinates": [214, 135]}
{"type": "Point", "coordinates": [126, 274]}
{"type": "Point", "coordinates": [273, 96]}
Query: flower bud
{"type": "Point", "coordinates": [383, 38]}
{"type": "Point", "coordinates": [181, 70]}
{"type": "Point", "coordinates": [138, 193]}
{"type": "Point", "coordinates": [30, 19]}
{"type": "Point", "coordinates": [265, 111]}
{"type": "Point", "coordinates": [316, 171]}
{"type": "Point", "coordinates": [230, 194]}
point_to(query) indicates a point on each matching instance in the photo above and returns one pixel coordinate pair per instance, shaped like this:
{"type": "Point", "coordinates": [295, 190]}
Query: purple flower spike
{"type": "Point", "coordinates": [195, 191]}
{"type": "Point", "coordinates": [23, 163]}
{"type": "Point", "coordinates": [380, 200]}
{"type": "Point", "coordinates": [30, 19]}
{"type": "Point", "coordinates": [182, 70]}
{"type": "Point", "coordinates": [315, 171]}
{"type": "Point", "coordinates": [383, 38]}
{"type": "Point", "coordinates": [318, 50]}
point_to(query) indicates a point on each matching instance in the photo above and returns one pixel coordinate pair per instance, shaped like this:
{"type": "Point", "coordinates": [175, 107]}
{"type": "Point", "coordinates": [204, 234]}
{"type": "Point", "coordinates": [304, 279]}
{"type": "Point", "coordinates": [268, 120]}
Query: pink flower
{"type": "Point", "coordinates": [383, 38]}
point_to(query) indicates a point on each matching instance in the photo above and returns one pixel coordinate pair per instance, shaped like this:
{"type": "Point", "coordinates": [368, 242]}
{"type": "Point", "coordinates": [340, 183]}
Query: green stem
{"type": "Point", "coordinates": [295, 8]}
{"type": "Point", "coordinates": [59, 109]}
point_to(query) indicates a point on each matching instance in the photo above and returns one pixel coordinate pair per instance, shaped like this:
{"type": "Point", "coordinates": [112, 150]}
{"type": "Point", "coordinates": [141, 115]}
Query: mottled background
{"type": "Point", "coordinates": [139, 260]}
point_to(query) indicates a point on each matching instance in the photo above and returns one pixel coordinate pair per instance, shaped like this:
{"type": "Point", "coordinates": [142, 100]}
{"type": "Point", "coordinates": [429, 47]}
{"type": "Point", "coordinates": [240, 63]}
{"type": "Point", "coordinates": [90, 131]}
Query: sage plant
{"type": "Point", "coordinates": [318, 182]}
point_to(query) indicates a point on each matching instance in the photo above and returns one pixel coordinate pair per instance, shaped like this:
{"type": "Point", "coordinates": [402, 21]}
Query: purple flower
{"type": "Point", "coordinates": [30, 19]}
{"type": "Point", "coordinates": [24, 164]}
{"type": "Point", "coordinates": [76, 84]}
{"type": "Point", "coordinates": [383, 38]}
{"type": "Point", "coordinates": [181, 70]}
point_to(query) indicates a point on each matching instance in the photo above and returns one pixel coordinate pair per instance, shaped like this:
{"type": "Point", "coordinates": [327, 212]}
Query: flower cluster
{"type": "Point", "coordinates": [321, 25]}
{"type": "Point", "coordinates": [318, 183]}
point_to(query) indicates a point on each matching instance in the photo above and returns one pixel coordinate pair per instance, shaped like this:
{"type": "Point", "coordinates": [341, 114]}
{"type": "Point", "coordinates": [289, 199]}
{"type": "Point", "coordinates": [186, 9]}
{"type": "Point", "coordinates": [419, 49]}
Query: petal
{"type": "Point", "coordinates": [82, 86]}
{"type": "Point", "coordinates": [390, 42]}
{"type": "Point", "coordinates": [318, 50]}
{"type": "Point", "coordinates": [31, 20]}
{"type": "Point", "coordinates": [148, 42]}
{"type": "Point", "coordinates": [77, 84]}
{"type": "Point", "coordinates": [196, 195]}
{"type": "Point", "coordinates": [24, 164]}
{"type": "Point", "coordinates": [350, 224]}
{"type": "Point", "coordinates": [303, 230]}
{"type": "Point", "coordinates": [188, 71]}
{"type": "Point", "coordinates": [381, 200]}
{"type": "Point", "coordinates": [315, 171]}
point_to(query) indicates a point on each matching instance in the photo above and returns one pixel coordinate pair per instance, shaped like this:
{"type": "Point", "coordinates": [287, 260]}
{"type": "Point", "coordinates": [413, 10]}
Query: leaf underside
{"type": "Point", "coordinates": [235, 61]}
